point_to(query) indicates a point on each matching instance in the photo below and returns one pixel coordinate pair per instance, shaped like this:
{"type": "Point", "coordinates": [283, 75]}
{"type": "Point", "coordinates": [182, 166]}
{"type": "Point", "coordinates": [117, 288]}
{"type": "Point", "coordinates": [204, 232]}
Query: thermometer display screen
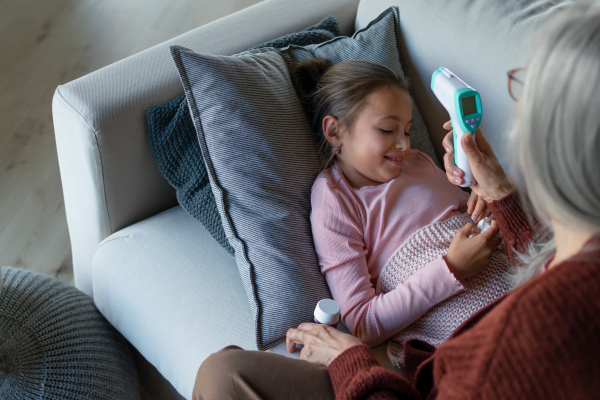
{"type": "Point", "coordinates": [468, 105]}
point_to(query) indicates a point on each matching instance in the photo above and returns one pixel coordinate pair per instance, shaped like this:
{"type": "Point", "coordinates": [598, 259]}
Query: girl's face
{"type": "Point", "coordinates": [374, 149]}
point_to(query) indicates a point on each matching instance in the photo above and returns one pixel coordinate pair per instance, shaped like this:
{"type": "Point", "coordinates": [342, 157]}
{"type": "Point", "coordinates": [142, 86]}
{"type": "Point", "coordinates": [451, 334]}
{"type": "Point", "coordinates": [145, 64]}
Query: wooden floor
{"type": "Point", "coordinates": [44, 43]}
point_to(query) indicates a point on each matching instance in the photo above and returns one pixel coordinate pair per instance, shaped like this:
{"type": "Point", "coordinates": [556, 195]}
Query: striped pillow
{"type": "Point", "coordinates": [262, 160]}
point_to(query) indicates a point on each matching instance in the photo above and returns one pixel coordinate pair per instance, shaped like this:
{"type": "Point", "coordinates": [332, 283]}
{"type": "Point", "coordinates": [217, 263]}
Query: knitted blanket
{"type": "Point", "coordinates": [436, 325]}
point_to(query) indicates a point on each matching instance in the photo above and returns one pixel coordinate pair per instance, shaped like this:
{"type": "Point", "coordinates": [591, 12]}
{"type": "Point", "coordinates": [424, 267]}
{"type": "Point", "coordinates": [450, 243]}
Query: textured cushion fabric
{"type": "Point", "coordinates": [326, 29]}
{"type": "Point", "coordinates": [54, 344]}
{"type": "Point", "coordinates": [262, 160]}
{"type": "Point", "coordinates": [477, 40]}
{"type": "Point", "coordinates": [176, 304]}
{"type": "Point", "coordinates": [175, 146]}
{"type": "Point", "coordinates": [173, 141]}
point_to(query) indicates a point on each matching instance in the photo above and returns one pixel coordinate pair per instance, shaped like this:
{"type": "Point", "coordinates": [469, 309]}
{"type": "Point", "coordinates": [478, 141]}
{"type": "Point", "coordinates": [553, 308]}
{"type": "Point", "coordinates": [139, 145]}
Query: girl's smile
{"type": "Point", "coordinates": [396, 160]}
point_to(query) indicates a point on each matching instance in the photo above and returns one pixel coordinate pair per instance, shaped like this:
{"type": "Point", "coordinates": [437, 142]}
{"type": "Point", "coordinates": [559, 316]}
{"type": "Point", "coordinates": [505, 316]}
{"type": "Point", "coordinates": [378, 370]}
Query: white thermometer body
{"type": "Point", "coordinates": [463, 104]}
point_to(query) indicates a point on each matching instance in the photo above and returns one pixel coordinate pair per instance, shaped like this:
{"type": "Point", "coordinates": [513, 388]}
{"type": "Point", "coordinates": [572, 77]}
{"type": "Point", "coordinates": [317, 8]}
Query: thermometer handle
{"type": "Point", "coordinates": [460, 158]}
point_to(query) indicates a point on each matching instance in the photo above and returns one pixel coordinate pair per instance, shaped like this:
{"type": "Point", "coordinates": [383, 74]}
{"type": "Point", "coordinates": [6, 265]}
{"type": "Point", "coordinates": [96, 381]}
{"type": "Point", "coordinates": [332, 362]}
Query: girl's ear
{"type": "Point", "coordinates": [331, 130]}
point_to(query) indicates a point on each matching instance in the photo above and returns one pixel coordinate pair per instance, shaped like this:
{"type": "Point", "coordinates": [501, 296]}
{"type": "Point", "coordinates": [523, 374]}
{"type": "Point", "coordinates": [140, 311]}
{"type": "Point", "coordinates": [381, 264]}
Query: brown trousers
{"type": "Point", "coordinates": [234, 373]}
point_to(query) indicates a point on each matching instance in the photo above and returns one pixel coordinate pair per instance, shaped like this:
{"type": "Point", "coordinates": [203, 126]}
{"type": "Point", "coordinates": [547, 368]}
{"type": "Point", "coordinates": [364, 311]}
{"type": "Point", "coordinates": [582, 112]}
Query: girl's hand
{"type": "Point", "coordinates": [467, 256]}
{"type": "Point", "coordinates": [322, 343]}
{"type": "Point", "coordinates": [492, 182]}
{"type": "Point", "coordinates": [477, 208]}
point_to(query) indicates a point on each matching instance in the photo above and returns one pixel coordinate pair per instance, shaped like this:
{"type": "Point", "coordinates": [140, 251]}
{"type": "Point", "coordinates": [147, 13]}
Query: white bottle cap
{"type": "Point", "coordinates": [484, 224]}
{"type": "Point", "coordinates": [327, 312]}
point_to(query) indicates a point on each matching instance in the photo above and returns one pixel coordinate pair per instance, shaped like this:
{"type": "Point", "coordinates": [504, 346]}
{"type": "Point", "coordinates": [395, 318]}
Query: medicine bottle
{"type": "Point", "coordinates": [327, 312]}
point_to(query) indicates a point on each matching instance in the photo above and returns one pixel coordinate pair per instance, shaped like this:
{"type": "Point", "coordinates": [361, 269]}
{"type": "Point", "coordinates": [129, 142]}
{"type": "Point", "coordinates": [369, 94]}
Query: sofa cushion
{"type": "Point", "coordinates": [262, 160]}
{"type": "Point", "coordinates": [175, 303]}
{"type": "Point", "coordinates": [175, 147]}
{"type": "Point", "coordinates": [477, 40]}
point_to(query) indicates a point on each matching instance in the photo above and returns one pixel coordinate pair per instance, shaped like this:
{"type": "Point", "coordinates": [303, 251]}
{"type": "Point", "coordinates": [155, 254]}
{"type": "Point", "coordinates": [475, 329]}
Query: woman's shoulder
{"type": "Point", "coordinates": [567, 293]}
{"type": "Point", "coordinates": [568, 288]}
{"type": "Point", "coordinates": [572, 284]}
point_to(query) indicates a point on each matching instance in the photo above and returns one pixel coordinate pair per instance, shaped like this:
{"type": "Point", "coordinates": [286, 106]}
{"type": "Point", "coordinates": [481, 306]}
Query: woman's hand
{"type": "Point", "coordinates": [322, 343]}
{"type": "Point", "coordinates": [492, 182]}
{"type": "Point", "coordinates": [468, 256]}
{"type": "Point", "coordinates": [477, 208]}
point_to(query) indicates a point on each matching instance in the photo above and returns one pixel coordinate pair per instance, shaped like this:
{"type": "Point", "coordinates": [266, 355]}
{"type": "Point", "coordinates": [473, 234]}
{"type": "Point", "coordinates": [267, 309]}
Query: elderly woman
{"type": "Point", "coordinates": [540, 341]}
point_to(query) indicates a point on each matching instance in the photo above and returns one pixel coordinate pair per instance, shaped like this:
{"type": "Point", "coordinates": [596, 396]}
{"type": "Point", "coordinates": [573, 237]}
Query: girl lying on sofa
{"type": "Point", "coordinates": [385, 212]}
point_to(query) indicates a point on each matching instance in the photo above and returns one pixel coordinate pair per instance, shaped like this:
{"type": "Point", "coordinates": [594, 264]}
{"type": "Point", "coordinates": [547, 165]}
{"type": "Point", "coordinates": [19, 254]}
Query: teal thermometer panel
{"type": "Point", "coordinates": [463, 104]}
{"type": "Point", "coordinates": [468, 105]}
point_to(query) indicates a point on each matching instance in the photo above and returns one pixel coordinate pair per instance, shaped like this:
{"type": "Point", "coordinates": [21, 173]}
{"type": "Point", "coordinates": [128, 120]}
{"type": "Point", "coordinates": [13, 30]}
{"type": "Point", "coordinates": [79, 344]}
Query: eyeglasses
{"type": "Point", "coordinates": [516, 82]}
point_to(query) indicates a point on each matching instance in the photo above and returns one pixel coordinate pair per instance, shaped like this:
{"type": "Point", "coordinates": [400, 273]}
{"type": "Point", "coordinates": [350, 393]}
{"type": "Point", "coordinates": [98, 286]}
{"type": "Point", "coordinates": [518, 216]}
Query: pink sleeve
{"type": "Point", "coordinates": [337, 233]}
{"type": "Point", "coordinates": [463, 196]}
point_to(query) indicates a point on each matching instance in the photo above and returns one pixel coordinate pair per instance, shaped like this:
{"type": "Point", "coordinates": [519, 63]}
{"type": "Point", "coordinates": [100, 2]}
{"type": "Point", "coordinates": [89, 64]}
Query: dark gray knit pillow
{"type": "Point", "coordinates": [173, 141]}
{"type": "Point", "coordinates": [55, 344]}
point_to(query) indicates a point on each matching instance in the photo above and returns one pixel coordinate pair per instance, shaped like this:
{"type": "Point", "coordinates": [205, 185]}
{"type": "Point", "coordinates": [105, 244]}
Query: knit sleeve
{"type": "Point", "coordinates": [515, 225]}
{"type": "Point", "coordinates": [342, 253]}
{"type": "Point", "coordinates": [355, 374]}
{"type": "Point", "coordinates": [540, 341]}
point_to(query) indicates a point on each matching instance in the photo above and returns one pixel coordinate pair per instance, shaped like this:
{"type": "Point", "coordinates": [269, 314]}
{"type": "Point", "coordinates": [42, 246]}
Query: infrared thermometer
{"type": "Point", "coordinates": [463, 103]}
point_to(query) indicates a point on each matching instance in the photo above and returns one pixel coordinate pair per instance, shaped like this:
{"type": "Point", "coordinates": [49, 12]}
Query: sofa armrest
{"type": "Point", "coordinates": [109, 176]}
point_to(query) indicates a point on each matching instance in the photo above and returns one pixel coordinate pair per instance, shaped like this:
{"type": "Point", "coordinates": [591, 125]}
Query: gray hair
{"type": "Point", "coordinates": [557, 128]}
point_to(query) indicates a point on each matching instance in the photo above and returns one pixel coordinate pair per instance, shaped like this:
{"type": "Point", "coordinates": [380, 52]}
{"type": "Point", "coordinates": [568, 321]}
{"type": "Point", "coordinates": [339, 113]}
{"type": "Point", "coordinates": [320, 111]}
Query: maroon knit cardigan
{"type": "Point", "coordinates": [541, 341]}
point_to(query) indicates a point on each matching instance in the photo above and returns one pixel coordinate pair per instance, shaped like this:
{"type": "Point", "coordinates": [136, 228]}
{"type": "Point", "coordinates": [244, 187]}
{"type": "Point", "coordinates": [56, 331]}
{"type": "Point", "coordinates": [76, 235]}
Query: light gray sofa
{"type": "Point", "coordinates": [153, 270]}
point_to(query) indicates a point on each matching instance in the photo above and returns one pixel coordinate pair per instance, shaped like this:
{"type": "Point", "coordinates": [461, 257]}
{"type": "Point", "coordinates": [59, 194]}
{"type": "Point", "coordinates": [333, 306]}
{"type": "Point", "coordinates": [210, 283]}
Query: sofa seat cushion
{"type": "Point", "coordinates": [173, 292]}
{"type": "Point", "coordinates": [155, 282]}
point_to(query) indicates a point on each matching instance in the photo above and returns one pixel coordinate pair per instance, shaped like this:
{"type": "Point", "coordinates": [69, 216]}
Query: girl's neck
{"type": "Point", "coordinates": [353, 177]}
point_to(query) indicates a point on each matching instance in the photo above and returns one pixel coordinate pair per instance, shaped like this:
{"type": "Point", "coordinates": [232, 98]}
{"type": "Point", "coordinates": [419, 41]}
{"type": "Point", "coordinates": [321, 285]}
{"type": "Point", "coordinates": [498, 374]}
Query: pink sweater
{"type": "Point", "coordinates": [356, 231]}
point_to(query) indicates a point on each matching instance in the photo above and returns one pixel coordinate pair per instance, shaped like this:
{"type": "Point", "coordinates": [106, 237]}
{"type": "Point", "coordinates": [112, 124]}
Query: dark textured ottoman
{"type": "Point", "coordinates": [55, 344]}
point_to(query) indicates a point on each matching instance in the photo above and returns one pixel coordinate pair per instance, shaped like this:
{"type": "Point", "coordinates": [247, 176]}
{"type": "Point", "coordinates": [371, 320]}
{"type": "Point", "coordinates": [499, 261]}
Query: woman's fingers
{"type": "Point", "coordinates": [322, 343]}
{"type": "Point", "coordinates": [472, 150]}
{"type": "Point", "coordinates": [453, 173]}
{"type": "Point", "coordinates": [447, 142]}
{"type": "Point", "coordinates": [479, 210]}
{"type": "Point", "coordinates": [477, 207]}
{"type": "Point", "coordinates": [306, 332]}
{"type": "Point", "coordinates": [297, 335]}
{"type": "Point", "coordinates": [471, 203]}
{"type": "Point", "coordinates": [292, 337]}
{"type": "Point", "coordinates": [487, 212]}
{"type": "Point", "coordinates": [484, 146]}
{"type": "Point", "coordinates": [307, 326]}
